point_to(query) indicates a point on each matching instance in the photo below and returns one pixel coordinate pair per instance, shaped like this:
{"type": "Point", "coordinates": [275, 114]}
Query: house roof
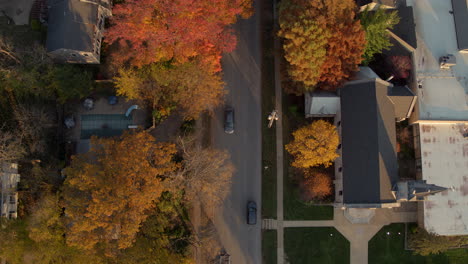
{"type": "Point", "coordinates": [403, 100]}
{"type": "Point", "coordinates": [406, 28]}
{"type": "Point", "coordinates": [460, 15]}
{"type": "Point", "coordinates": [321, 103]}
{"type": "Point", "coordinates": [71, 25]}
{"type": "Point", "coordinates": [368, 143]}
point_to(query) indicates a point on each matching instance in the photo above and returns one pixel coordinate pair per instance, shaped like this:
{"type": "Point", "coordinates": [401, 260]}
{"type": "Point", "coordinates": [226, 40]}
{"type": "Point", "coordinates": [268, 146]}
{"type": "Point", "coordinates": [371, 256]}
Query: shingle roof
{"type": "Point", "coordinates": [368, 143]}
{"type": "Point", "coordinates": [71, 25]}
{"type": "Point", "coordinates": [406, 28]}
{"type": "Point", "coordinates": [402, 98]}
{"type": "Point", "coordinates": [460, 15]}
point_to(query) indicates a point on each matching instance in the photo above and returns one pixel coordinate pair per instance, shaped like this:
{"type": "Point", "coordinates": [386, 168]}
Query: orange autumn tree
{"type": "Point", "coordinates": [345, 46]}
{"type": "Point", "coordinates": [313, 145]}
{"type": "Point", "coordinates": [109, 190]}
{"type": "Point", "coordinates": [305, 40]}
{"type": "Point", "coordinates": [323, 41]}
{"type": "Point", "coordinates": [316, 184]}
{"type": "Point", "coordinates": [150, 31]}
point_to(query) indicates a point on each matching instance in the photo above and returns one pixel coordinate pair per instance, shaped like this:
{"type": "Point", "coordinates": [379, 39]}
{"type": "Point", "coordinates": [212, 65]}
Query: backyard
{"type": "Point", "coordinates": [315, 245]}
{"type": "Point", "coordinates": [388, 246]}
{"type": "Point", "coordinates": [294, 207]}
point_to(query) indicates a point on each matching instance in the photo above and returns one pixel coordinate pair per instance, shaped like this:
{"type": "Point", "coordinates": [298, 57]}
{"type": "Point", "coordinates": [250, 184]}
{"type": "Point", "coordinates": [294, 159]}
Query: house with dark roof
{"type": "Point", "coordinates": [366, 173]}
{"type": "Point", "coordinates": [75, 30]}
{"type": "Point", "coordinates": [368, 163]}
{"type": "Point", "coordinates": [460, 16]}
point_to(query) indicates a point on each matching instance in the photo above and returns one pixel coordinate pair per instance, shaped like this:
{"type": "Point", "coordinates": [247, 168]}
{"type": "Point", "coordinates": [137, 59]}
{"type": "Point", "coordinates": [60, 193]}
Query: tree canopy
{"type": "Point", "coordinates": [109, 189]}
{"type": "Point", "coordinates": [314, 145]}
{"type": "Point", "coordinates": [150, 31]}
{"type": "Point", "coordinates": [323, 41]}
{"type": "Point", "coordinates": [163, 85]}
{"type": "Point", "coordinates": [316, 184]}
{"type": "Point", "coordinates": [425, 243]}
{"type": "Point", "coordinates": [205, 175]}
{"type": "Point", "coordinates": [376, 25]}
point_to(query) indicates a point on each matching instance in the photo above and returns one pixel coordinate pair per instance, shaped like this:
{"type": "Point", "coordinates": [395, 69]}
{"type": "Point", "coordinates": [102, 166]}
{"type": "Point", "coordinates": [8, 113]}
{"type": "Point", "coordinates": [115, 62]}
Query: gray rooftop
{"type": "Point", "coordinates": [460, 15]}
{"type": "Point", "coordinates": [368, 143]}
{"type": "Point", "coordinates": [403, 99]}
{"type": "Point", "coordinates": [71, 25]}
{"type": "Point", "coordinates": [406, 28]}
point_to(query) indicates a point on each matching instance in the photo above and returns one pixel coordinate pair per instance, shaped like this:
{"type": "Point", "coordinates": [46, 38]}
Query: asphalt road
{"type": "Point", "coordinates": [242, 75]}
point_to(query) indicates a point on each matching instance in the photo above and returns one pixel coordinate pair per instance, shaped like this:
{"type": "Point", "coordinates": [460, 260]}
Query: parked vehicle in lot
{"type": "Point", "coordinates": [229, 120]}
{"type": "Point", "coordinates": [251, 213]}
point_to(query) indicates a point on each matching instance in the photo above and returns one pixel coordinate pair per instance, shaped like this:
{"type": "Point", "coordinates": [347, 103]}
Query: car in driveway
{"type": "Point", "coordinates": [229, 120]}
{"type": "Point", "coordinates": [251, 213]}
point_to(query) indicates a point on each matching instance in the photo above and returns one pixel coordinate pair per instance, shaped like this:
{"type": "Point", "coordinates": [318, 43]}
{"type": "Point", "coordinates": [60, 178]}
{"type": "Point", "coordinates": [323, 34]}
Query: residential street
{"type": "Point", "coordinates": [242, 76]}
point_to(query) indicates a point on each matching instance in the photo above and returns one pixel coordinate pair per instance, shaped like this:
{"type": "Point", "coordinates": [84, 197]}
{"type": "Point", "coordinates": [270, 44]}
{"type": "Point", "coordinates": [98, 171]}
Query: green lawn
{"type": "Point", "coordinates": [269, 247]}
{"type": "Point", "coordinates": [268, 134]}
{"type": "Point", "coordinates": [315, 245]}
{"type": "Point", "coordinates": [294, 208]}
{"type": "Point", "coordinates": [389, 249]}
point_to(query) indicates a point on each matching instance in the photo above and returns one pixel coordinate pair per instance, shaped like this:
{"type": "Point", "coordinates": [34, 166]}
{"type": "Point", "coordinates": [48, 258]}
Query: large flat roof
{"type": "Point", "coordinates": [444, 162]}
{"type": "Point", "coordinates": [443, 93]}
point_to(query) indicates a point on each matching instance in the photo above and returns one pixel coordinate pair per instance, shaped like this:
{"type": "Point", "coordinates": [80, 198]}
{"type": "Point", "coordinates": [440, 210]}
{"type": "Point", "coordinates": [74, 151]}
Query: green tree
{"type": "Point", "coordinates": [15, 241]}
{"type": "Point", "coordinates": [376, 25]}
{"type": "Point", "coordinates": [425, 243]}
{"type": "Point", "coordinates": [69, 82]}
{"type": "Point", "coordinates": [164, 236]}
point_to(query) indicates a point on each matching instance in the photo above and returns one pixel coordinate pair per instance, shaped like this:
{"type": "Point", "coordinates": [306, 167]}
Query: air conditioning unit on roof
{"type": "Point", "coordinates": [447, 61]}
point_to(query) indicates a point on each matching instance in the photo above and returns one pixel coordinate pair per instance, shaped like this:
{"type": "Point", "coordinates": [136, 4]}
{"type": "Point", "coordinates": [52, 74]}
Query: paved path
{"type": "Point", "coordinates": [279, 146]}
{"type": "Point", "coordinates": [358, 235]}
{"type": "Point", "coordinates": [241, 73]}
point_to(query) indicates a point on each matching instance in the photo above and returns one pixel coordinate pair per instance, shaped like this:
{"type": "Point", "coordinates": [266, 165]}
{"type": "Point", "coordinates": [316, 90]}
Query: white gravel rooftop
{"type": "Point", "coordinates": [444, 162]}
{"type": "Point", "coordinates": [444, 93]}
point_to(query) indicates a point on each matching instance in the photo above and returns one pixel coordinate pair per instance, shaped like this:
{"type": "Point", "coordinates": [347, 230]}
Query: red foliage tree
{"type": "Point", "coordinates": [400, 66]}
{"type": "Point", "coordinates": [150, 31]}
{"type": "Point", "coordinates": [315, 184]}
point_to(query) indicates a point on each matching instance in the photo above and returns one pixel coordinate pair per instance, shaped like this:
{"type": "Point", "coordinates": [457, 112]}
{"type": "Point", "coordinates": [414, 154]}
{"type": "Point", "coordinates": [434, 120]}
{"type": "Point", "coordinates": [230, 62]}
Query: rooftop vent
{"type": "Point", "coordinates": [447, 61]}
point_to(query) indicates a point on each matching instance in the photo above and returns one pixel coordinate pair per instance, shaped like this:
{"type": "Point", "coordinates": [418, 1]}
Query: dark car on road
{"type": "Point", "coordinates": [229, 120]}
{"type": "Point", "coordinates": [251, 213]}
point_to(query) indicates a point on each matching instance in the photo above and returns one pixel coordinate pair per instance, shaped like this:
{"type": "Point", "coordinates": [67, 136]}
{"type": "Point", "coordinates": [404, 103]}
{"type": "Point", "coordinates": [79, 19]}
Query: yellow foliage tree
{"type": "Point", "coordinates": [314, 145]}
{"type": "Point", "coordinates": [188, 86]}
{"type": "Point", "coordinates": [304, 44]}
{"type": "Point", "coordinates": [109, 190]}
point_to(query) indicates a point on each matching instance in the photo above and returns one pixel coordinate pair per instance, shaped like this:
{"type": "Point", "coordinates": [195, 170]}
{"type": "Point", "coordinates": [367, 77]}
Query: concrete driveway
{"type": "Point", "coordinates": [242, 75]}
{"type": "Point", "coordinates": [18, 10]}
